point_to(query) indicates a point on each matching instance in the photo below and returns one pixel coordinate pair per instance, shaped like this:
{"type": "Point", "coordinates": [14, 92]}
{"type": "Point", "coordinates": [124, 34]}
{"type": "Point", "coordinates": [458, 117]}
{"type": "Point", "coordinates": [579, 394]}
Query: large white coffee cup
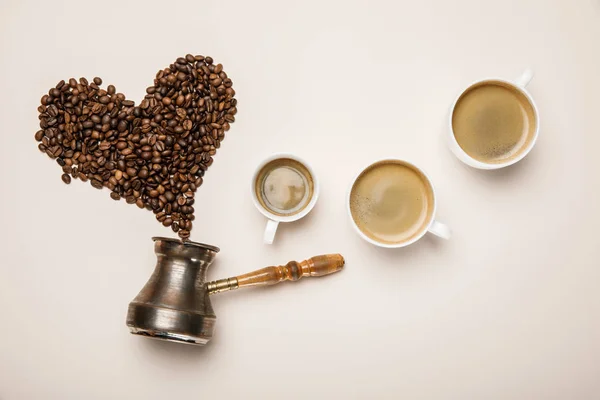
{"type": "Point", "coordinates": [388, 183]}
{"type": "Point", "coordinates": [518, 85]}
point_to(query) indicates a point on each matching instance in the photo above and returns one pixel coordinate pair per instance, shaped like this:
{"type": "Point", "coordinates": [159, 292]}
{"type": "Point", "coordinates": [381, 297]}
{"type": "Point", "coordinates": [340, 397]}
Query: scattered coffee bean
{"type": "Point", "coordinates": [154, 155]}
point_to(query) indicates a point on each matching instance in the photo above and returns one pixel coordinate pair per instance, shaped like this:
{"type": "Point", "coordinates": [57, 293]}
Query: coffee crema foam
{"type": "Point", "coordinates": [493, 122]}
{"type": "Point", "coordinates": [391, 202]}
{"type": "Point", "coordinates": [284, 187]}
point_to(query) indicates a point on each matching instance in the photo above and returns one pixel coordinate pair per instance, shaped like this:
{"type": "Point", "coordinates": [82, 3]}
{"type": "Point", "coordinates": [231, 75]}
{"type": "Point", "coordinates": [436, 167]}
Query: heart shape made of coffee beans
{"type": "Point", "coordinates": [154, 154]}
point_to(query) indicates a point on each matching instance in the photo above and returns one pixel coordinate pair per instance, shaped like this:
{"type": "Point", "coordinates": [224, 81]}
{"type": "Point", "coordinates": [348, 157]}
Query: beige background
{"type": "Point", "coordinates": [508, 309]}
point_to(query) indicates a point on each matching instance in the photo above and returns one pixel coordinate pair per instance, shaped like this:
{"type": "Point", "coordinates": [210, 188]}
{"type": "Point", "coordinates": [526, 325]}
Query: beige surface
{"type": "Point", "coordinates": [508, 309]}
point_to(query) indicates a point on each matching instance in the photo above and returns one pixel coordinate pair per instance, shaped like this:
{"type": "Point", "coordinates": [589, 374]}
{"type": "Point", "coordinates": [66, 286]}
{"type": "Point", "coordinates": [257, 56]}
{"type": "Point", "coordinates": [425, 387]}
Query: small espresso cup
{"type": "Point", "coordinates": [494, 123]}
{"type": "Point", "coordinates": [392, 204]}
{"type": "Point", "coordinates": [284, 189]}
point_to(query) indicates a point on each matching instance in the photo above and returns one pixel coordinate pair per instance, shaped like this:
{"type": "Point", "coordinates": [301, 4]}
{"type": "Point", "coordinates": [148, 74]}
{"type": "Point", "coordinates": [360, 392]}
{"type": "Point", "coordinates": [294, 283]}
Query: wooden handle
{"type": "Point", "coordinates": [292, 271]}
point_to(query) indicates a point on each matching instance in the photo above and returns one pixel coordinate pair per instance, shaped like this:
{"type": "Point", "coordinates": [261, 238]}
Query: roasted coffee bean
{"type": "Point", "coordinates": [115, 196]}
{"type": "Point", "coordinates": [66, 178]}
{"type": "Point", "coordinates": [122, 126]}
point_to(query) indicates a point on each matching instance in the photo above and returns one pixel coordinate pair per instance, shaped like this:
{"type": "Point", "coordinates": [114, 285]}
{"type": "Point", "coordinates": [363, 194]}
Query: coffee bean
{"type": "Point", "coordinates": [66, 178]}
{"type": "Point", "coordinates": [98, 81]}
{"type": "Point", "coordinates": [115, 196]}
{"type": "Point", "coordinates": [143, 174]}
{"type": "Point", "coordinates": [97, 184]}
{"type": "Point", "coordinates": [122, 126]}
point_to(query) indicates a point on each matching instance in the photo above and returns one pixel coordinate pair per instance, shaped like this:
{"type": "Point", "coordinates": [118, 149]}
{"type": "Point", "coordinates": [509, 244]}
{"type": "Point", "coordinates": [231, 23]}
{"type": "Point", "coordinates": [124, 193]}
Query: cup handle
{"type": "Point", "coordinates": [525, 78]}
{"type": "Point", "coordinates": [270, 231]}
{"type": "Point", "coordinates": [440, 229]}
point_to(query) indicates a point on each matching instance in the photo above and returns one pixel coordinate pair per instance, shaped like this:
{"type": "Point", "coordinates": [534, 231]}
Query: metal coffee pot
{"type": "Point", "coordinates": [175, 303]}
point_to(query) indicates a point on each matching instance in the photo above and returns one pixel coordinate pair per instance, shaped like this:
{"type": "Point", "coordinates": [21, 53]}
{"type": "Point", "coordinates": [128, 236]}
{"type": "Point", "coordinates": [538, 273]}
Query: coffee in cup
{"type": "Point", "coordinates": [392, 204]}
{"type": "Point", "coordinates": [284, 189]}
{"type": "Point", "coordinates": [284, 186]}
{"type": "Point", "coordinates": [494, 123]}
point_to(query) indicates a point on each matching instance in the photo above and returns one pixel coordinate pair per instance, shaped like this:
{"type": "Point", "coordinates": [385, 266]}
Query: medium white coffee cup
{"type": "Point", "coordinates": [271, 197]}
{"type": "Point", "coordinates": [392, 190]}
{"type": "Point", "coordinates": [518, 86]}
